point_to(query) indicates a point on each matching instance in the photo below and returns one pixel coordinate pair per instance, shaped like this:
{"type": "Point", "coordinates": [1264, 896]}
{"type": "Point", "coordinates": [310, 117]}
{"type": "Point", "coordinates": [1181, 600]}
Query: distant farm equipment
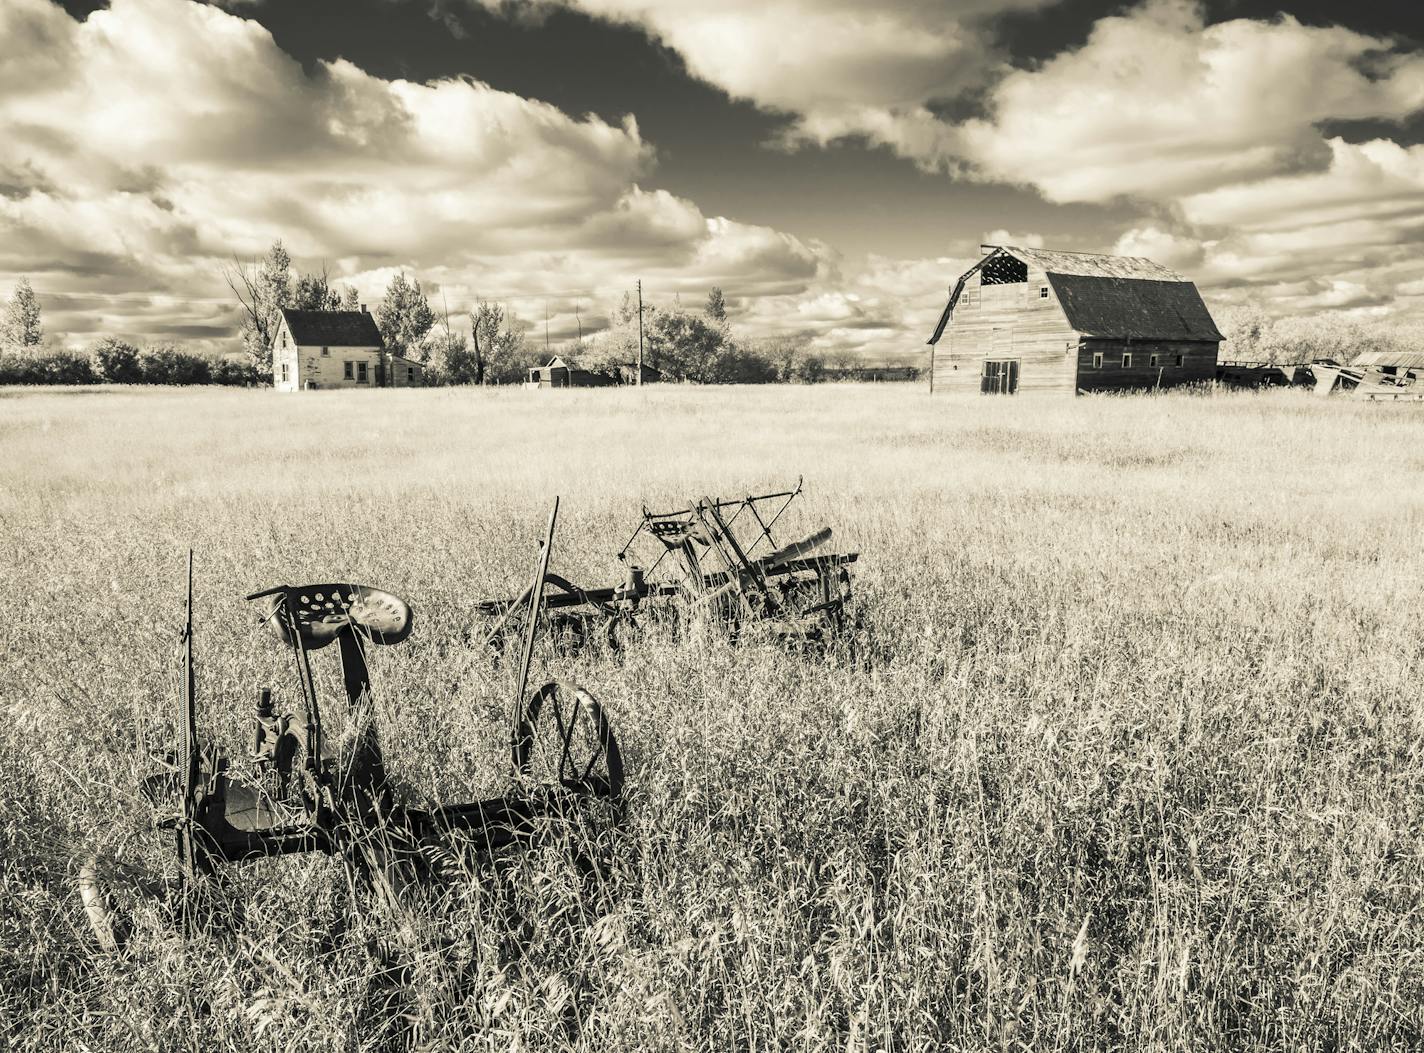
{"type": "Point", "coordinates": [1371, 377]}
{"type": "Point", "coordinates": [702, 562]}
{"type": "Point", "coordinates": [305, 789]}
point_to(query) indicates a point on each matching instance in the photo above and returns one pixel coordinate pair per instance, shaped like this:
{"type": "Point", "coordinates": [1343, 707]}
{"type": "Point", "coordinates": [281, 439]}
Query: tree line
{"type": "Point", "coordinates": [698, 346]}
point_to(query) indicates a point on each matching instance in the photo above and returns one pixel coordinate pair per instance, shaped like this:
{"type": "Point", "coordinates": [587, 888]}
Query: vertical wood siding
{"type": "Point", "coordinates": [1008, 322]}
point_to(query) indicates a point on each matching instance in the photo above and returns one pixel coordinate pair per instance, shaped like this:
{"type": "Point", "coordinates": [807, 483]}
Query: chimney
{"type": "Point", "coordinates": [363, 308]}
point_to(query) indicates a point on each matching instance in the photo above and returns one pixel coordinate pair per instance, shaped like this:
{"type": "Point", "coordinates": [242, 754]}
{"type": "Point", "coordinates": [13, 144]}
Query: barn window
{"type": "Point", "coordinates": [1179, 360]}
{"type": "Point", "coordinates": [1043, 292]}
{"type": "Point", "coordinates": [1126, 359]}
{"type": "Point", "coordinates": [360, 372]}
{"type": "Point", "coordinates": [1153, 361]}
{"type": "Point", "coordinates": [350, 371]}
{"type": "Point", "coordinates": [1097, 360]}
{"type": "Point", "coordinates": [410, 374]}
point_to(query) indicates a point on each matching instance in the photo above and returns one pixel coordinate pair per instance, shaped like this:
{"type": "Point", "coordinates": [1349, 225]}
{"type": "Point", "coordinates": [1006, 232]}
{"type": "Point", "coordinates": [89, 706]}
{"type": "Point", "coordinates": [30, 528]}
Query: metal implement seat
{"type": "Point", "coordinates": [320, 612]}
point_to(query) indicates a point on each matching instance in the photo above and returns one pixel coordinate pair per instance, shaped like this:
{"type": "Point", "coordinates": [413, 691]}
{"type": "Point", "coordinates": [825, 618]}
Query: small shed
{"type": "Point", "coordinates": [1026, 320]}
{"type": "Point", "coordinates": [557, 373]}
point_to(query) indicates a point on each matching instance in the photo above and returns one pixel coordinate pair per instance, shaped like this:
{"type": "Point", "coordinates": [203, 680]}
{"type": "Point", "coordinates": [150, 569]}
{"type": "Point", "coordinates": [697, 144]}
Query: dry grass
{"type": "Point", "coordinates": [1138, 765]}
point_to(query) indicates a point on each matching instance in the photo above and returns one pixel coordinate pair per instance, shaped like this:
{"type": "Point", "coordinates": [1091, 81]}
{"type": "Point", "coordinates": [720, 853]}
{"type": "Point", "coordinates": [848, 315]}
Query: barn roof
{"type": "Point", "coordinates": [1110, 296]}
{"type": "Point", "coordinates": [1094, 264]}
{"type": "Point", "coordinates": [332, 328]}
{"type": "Point", "coordinates": [1135, 308]}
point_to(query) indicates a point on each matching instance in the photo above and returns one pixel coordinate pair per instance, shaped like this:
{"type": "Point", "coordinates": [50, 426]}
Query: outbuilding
{"type": "Point", "coordinates": [557, 373]}
{"type": "Point", "coordinates": [1026, 320]}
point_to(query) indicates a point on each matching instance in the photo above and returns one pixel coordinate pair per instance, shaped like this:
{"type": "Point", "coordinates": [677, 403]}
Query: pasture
{"type": "Point", "coordinates": [1131, 757]}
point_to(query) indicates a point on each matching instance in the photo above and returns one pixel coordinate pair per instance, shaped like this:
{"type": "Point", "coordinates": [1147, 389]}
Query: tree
{"type": "Point", "coordinates": [404, 316]}
{"type": "Point", "coordinates": [262, 290]}
{"type": "Point", "coordinates": [486, 323]}
{"type": "Point", "coordinates": [784, 353]}
{"type": "Point", "coordinates": [716, 309]}
{"type": "Point", "coordinates": [447, 357]}
{"type": "Point", "coordinates": [314, 292]}
{"type": "Point", "coordinates": [170, 364]}
{"type": "Point", "coordinates": [510, 355]}
{"type": "Point", "coordinates": [1246, 327]}
{"type": "Point", "coordinates": [116, 362]}
{"type": "Point", "coordinates": [21, 328]}
{"type": "Point", "coordinates": [686, 345]}
{"type": "Point", "coordinates": [810, 367]}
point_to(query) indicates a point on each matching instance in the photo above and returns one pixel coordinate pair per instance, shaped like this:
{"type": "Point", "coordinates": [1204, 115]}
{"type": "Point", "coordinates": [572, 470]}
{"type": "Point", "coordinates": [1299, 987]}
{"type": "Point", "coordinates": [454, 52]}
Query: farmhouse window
{"type": "Point", "coordinates": [286, 375]}
{"type": "Point", "coordinates": [325, 352]}
{"type": "Point", "coordinates": [350, 373]}
{"type": "Point", "coordinates": [1153, 361]}
{"type": "Point", "coordinates": [410, 374]}
{"type": "Point", "coordinates": [1179, 360]}
{"type": "Point", "coordinates": [1126, 359]}
{"type": "Point", "coordinates": [1043, 292]}
{"type": "Point", "coordinates": [1097, 360]}
{"type": "Point", "coordinates": [360, 372]}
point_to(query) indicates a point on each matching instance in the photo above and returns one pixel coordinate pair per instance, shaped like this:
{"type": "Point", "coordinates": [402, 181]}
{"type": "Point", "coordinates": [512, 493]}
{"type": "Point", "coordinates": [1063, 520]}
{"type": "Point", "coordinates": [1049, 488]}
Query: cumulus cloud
{"type": "Point", "coordinates": [144, 145]}
{"type": "Point", "coordinates": [1345, 236]}
{"type": "Point", "coordinates": [838, 67]}
{"type": "Point", "coordinates": [1156, 105]}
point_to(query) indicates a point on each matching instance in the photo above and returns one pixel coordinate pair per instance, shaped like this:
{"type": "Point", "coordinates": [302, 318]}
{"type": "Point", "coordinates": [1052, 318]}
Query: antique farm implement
{"type": "Point", "coordinates": [306, 788]}
{"type": "Point", "coordinates": [702, 560]}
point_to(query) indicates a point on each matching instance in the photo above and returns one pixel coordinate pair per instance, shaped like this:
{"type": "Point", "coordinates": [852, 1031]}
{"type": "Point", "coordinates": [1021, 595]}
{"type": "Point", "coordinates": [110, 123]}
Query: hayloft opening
{"type": "Point", "coordinates": [1004, 270]}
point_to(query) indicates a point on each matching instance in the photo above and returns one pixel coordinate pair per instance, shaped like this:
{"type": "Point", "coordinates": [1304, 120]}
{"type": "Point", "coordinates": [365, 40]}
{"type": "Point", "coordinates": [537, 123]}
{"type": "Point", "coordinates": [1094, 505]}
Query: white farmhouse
{"type": "Point", "coordinates": [336, 349]}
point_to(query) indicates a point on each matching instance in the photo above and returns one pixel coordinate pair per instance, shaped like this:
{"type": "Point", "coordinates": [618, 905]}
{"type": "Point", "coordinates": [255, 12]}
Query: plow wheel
{"type": "Point", "coordinates": [563, 738]}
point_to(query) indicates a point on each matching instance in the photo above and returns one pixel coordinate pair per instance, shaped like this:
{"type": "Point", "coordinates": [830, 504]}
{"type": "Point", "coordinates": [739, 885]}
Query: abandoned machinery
{"type": "Point", "coordinates": [702, 562]}
{"type": "Point", "coordinates": [306, 789]}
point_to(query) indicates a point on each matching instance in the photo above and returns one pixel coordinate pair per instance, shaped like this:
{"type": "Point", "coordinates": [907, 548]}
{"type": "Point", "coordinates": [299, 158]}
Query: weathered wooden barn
{"type": "Point", "coordinates": [336, 349]}
{"type": "Point", "coordinates": [1031, 320]}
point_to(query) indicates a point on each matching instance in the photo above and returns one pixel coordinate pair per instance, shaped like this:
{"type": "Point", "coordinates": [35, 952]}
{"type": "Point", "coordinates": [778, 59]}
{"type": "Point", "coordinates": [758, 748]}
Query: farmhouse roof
{"type": "Point", "coordinates": [332, 328]}
{"type": "Point", "coordinates": [1114, 297]}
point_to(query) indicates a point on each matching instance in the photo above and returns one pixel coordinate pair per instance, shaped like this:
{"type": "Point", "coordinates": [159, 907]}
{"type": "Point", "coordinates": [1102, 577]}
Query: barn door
{"type": "Point", "coordinates": [999, 376]}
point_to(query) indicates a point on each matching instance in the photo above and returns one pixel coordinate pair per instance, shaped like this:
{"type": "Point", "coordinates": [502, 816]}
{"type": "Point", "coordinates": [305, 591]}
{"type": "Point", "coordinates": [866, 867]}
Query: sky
{"type": "Point", "coordinates": [832, 165]}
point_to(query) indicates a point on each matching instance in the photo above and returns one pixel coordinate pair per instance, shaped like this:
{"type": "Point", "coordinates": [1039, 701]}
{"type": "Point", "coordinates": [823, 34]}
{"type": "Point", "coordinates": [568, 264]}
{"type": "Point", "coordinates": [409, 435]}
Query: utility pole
{"type": "Point", "coordinates": [640, 332]}
{"type": "Point", "coordinates": [580, 324]}
{"type": "Point", "coordinates": [546, 328]}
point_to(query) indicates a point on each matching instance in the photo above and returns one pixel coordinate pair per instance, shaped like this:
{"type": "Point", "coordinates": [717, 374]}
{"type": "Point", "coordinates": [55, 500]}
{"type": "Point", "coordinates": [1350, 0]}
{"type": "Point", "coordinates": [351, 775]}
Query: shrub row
{"type": "Point", "coordinates": [115, 362]}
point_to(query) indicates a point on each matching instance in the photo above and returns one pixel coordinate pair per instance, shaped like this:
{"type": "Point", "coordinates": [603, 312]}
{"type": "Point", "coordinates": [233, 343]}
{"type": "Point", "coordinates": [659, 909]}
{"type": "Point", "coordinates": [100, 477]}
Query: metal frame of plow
{"type": "Point", "coordinates": [796, 594]}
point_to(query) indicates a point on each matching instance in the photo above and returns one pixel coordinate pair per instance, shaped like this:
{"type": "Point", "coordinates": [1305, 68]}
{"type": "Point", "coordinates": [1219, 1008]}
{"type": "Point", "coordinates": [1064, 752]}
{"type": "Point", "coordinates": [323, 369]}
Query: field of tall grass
{"type": "Point", "coordinates": [1131, 757]}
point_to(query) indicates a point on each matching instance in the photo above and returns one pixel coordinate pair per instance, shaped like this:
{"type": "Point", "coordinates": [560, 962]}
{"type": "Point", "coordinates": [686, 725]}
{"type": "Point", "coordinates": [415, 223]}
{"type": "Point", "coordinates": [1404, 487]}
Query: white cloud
{"type": "Point", "coordinates": [838, 67]}
{"type": "Point", "coordinates": [143, 146]}
{"type": "Point", "coordinates": [1006, 237]}
{"type": "Point", "coordinates": [1155, 105]}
